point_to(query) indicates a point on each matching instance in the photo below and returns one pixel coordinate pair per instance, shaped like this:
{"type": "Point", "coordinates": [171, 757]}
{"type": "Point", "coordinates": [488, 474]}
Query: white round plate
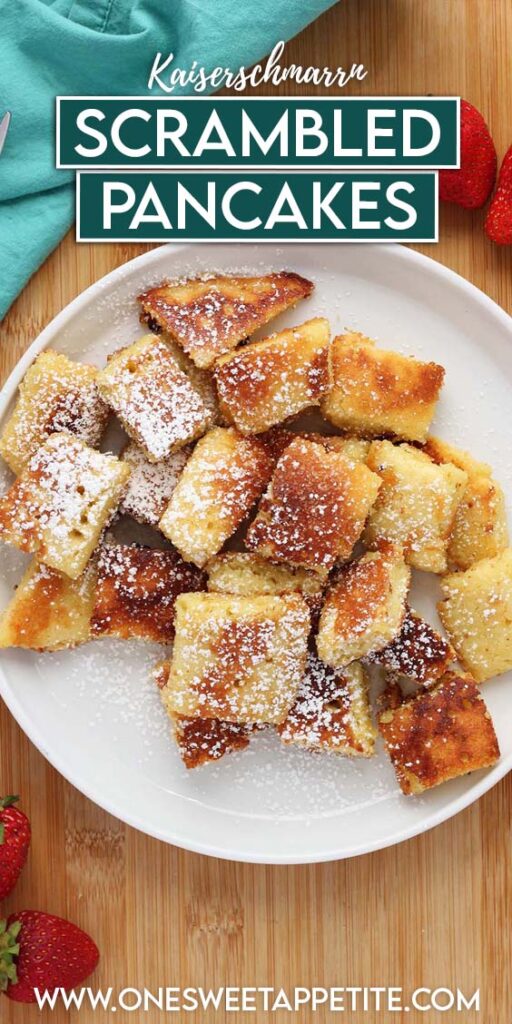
{"type": "Point", "coordinates": [95, 713]}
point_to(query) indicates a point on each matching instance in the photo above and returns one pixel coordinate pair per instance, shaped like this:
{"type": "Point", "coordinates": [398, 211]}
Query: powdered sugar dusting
{"type": "Point", "coordinates": [151, 483]}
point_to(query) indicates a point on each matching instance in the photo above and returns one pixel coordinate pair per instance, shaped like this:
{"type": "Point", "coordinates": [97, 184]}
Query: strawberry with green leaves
{"type": "Point", "coordinates": [14, 843]}
{"type": "Point", "coordinates": [39, 950]}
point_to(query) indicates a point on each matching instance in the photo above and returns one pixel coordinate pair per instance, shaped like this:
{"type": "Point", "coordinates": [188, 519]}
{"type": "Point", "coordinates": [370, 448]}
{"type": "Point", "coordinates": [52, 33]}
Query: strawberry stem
{"type": "Point", "coordinates": [6, 801]}
{"type": "Point", "coordinates": [9, 950]}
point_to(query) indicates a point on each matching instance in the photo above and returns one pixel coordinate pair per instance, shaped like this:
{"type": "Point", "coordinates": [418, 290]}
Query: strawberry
{"type": "Point", "coordinates": [14, 843]}
{"type": "Point", "coordinates": [471, 185]}
{"type": "Point", "coordinates": [42, 951]}
{"type": "Point", "coordinates": [498, 224]}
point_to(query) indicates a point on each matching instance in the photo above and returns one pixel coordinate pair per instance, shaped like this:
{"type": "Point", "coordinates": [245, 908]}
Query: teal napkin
{"type": "Point", "coordinates": [101, 47]}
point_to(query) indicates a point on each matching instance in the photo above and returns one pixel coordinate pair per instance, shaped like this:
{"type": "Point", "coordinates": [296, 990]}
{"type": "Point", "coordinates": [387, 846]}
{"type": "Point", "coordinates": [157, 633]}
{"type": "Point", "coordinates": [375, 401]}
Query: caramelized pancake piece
{"type": "Point", "coordinates": [239, 659]}
{"type": "Point", "coordinates": [136, 591]}
{"type": "Point", "coordinates": [202, 740]}
{"type": "Point", "coordinates": [55, 394]}
{"type": "Point", "coordinates": [266, 382]}
{"type": "Point", "coordinates": [332, 712]}
{"type": "Point", "coordinates": [151, 484]}
{"type": "Point", "coordinates": [154, 399]}
{"type": "Point", "coordinates": [480, 526]}
{"type": "Point", "coordinates": [374, 392]}
{"type": "Point", "coordinates": [221, 482]}
{"type": "Point", "coordinates": [364, 609]}
{"type": "Point", "coordinates": [418, 652]}
{"type": "Point", "coordinates": [416, 505]}
{"type": "Point", "coordinates": [49, 611]}
{"type": "Point", "coordinates": [477, 615]}
{"type": "Point", "coordinates": [60, 505]}
{"type": "Point", "coordinates": [315, 508]}
{"type": "Point", "coordinates": [210, 316]}
{"type": "Point", "coordinates": [442, 733]}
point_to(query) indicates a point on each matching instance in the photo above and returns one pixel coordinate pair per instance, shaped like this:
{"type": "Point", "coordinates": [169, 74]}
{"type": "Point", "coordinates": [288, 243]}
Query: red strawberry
{"type": "Point", "coordinates": [498, 224]}
{"type": "Point", "coordinates": [471, 185]}
{"type": "Point", "coordinates": [14, 843]}
{"type": "Point", "coordinates": [46, 953]}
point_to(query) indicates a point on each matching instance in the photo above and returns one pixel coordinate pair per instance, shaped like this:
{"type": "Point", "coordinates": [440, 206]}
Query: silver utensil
{"type": "Point", "coordinates": [4, 128]}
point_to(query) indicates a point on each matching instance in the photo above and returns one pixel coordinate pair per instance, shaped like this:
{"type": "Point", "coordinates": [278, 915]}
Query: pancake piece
{"type": "Point", "coordinates": [49, 611]}
{"type": "Point", "coordinates": [374, 392]}
{"type": "Point", "coordinates": [315, 508]}
{"type": "Point", "coordinates": [221, 482]}
{"type": "Point", "coordinates": [365, 608]}
{"type": "Point", "coordinates": [136, 591]}
{"type": "Point", "coordinates": [62, 502]}
{"type": "Point", "coordinates": [151, 484]}
{"type": "Point", "coordinates": [416, 505]}
{"type": "Point", "coordinates": [55, 394]}
{"type": "Point", "coordinates": [418, 651]}
{"type": "Point", "coordinates": [203, 740]}
{"type": "Point", "coordinates": [480, 527]}
{"type": "Point", "coordinates": [439, 735]}
{"type": "Point", "coordinates": [153, 398]}
{"type": "Point", "coordinates": [239, 659]}
{"type": "Point", "coordinates": [209, 316]}
{"type": "Point", "coordinates": [477, 615]}
{"type": "Point", "coordinates": [332, 712]}
{"type": "Point", "coordinates": [246, 574]}
{"type": "Point", "coordinates": [266, 382]}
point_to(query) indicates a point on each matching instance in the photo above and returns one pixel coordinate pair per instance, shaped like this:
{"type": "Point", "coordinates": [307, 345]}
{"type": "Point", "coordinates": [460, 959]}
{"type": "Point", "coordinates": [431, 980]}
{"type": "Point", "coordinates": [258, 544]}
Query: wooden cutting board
{"type": "Point", "coordinates": [434, 911]}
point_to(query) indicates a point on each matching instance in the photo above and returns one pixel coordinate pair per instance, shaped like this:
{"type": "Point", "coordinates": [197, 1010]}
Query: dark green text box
{"type": "Point", "coordinates": [345, 124]}
{"type": "Point", "coordinates": [162, 206]}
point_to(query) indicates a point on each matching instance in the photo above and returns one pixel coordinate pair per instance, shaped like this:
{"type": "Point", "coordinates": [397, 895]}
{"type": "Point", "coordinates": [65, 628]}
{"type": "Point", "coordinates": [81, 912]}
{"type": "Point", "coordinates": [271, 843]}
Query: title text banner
{"type": "Point", "coordinates": [223, 206]}
{"type": "Point", "coordinates": [228, 132]}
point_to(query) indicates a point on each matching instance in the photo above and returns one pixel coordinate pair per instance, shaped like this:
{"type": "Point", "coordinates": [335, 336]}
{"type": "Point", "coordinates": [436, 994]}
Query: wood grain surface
{"type": "Point", "coordinates": [434, 911]}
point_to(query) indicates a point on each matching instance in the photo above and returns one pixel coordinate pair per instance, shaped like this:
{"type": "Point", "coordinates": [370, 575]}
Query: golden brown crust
{"type": "Point", "coordinates": [266, 382]}
{"type": "Point", "coordinates": [442, 733]}
{"type": "Point", "coordinates": [210, 316]}
{"type": "Point", "coordinates": [315, 508]}
{"type": "Point", "coordinates": [364, 608]}
{"type": "Point", "coordinates": [48, 611]}
{"type": "Point", "coordinates": [370, 586]}
{"type": "Point", "coordinates": [202, 740]}
{"type": "Point", "coordinates": [235, 649]}
{"type": "Point", "coordinates": [375, 392]}
{"type": "Point", "coordinates": [136, 591]}
{"type": "Point", "coordinates": [418, 652]}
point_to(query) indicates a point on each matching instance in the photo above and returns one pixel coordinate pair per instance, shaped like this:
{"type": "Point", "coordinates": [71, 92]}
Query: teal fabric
{"type": "Point", "coordinates": [101, 47]}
